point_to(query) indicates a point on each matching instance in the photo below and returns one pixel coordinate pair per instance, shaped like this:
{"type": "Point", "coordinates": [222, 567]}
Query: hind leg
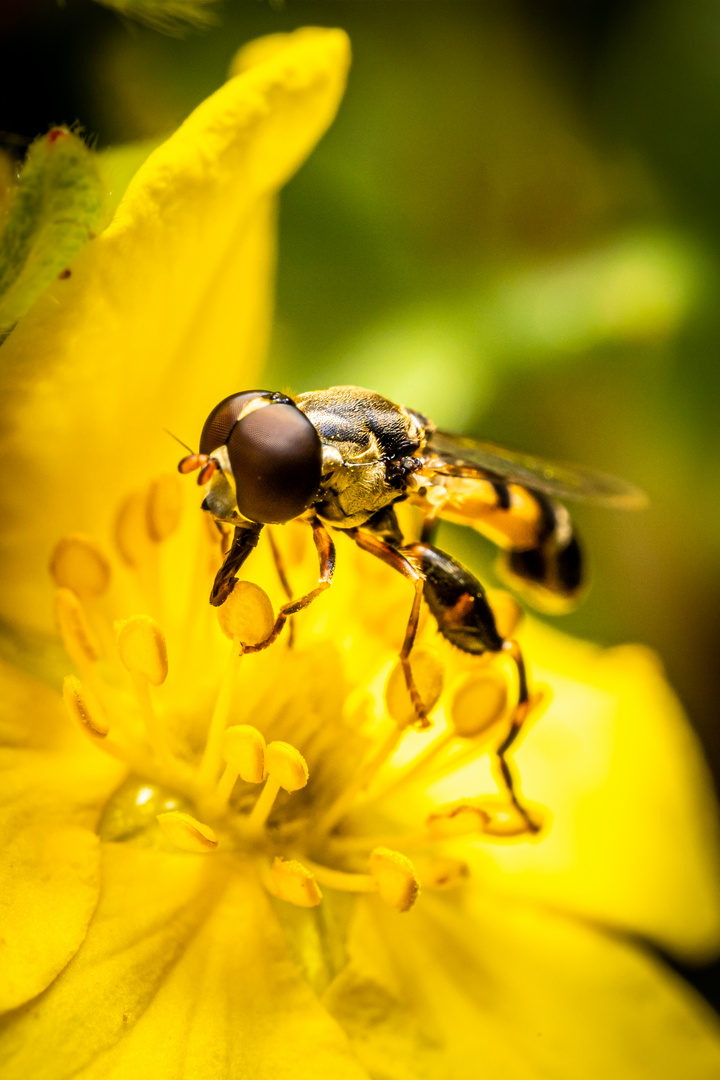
{"type": "Point", "coordinates": [520, 714]}
{"type": "Point", "coordinates": [464, 616]}
{"type": "Point", "coordinates": [391, 556]}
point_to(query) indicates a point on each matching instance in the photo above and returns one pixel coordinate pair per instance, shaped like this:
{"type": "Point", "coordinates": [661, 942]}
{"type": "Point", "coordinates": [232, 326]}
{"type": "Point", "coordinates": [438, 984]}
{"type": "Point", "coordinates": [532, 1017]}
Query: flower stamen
{"type": "Point", "coordinates": [367, 771]}
{"type": "Point", "coordinates": [142, 649]}
{"type": "Point", "coordinates": [243, 750]}
{"type": "Point", "coordinates": [463, 819]}
{"type": "Point", "coordinates": [198, 618]}
{"type": "Point", "coordinates": [291, 881]}
{"type": "Point", "coordinates": [78, 638]}
{"type": "Point", "coordinates": [392, 876]}
{"type": "Point", "coordinates": [212, 756]}
{"type": "Point", "coordinates": [131, 535]}
{"type": "Point", "coordinates": [342, 880]}
{"type": "Point", "coordinates": [460, 820]}
{"type": "Point", "coordinates": [287, 769]}
{"type": "Point", "coordinates": [163, 507]}
{"type": "Point", "coordinates": [146, 519]}
{"type": "Point", "coordinates": [83, 708]}
{"type": "Point", "coordinates": [246, 618]}
{"type": "Point", "coordinates": [504, 821]}
{"type": "Point", "coordinates": [477, 708]}
{"type": "Point", "coordinates": [78, 563]}
{"type": "Point", "coordinates": [187, 833]}
{"type": "Point", "coordinates": [162, 749]}
{"type": "Point", "coordinates": [86, 711]}
{"type": "Point", "coordinates": [478, 704]}
{"type": "Point", "coordinates": [395, 878]}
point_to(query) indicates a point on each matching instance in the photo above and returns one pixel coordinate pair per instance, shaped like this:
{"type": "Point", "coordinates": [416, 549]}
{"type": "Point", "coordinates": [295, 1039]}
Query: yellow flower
{"type": "Point", "coordinates": [163, 914]}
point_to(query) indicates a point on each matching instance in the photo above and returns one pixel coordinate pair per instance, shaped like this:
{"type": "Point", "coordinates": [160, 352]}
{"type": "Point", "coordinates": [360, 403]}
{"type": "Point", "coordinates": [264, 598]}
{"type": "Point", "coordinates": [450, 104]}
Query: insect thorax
{"type": "Point", "coordinates": [366, 440]}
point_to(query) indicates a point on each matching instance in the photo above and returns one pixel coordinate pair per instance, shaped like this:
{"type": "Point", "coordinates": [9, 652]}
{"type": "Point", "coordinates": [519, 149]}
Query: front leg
{"type": "Point", "coordinates": [326, 558]}
{"type": "Point", "coordinates": [245, 538]}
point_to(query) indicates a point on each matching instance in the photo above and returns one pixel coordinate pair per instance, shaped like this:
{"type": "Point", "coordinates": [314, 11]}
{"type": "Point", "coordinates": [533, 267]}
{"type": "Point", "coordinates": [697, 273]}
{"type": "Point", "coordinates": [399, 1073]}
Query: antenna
{"type": "Point", "coordinates": [183, 444]}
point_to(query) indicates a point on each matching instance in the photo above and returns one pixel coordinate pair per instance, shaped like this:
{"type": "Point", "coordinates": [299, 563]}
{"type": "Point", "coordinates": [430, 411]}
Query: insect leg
{"type": "Point", "coordinates": [429, 528]}
{"type": "Point", "coordinates": [375, 545]}
{"type": "Point", "coordinates": [457, 600]}
{"type": "Point", "coordinates": [224, 535]}
{"type": "Point", "coordinates": [326, 557]}
{"type": "Point", "coordinates": [520, 713]}
{"type": "Point", "coordinates": [244, 539]}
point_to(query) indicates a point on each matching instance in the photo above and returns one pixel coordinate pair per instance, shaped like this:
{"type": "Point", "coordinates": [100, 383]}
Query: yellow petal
{"type": "Point", "coordinates": [165, 313]}
{"type": "Point", "coordinates": [633, 841]}
{"type": "Point", "coordinates": [190, 979]}
{"type": "Point", "coordinates": [477, 987]}
{"type": "Point", "coordinates": [32, 714]}
{"type": "Point", "coordinates": [49, 855]}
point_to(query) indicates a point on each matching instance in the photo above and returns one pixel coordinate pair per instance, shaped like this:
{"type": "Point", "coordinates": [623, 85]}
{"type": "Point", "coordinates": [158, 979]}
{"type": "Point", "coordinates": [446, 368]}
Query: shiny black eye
{"type": "Point", "coordinates": [221, 420]}
{"type": "Point", "coordinates": [276, 458]}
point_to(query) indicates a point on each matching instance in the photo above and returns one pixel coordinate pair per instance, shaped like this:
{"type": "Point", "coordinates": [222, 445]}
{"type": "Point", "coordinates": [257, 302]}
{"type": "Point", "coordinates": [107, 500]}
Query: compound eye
{"type": "Point", "coordinates": [276, 458]}
{"type": "Point", "coordinates": [221, 420]}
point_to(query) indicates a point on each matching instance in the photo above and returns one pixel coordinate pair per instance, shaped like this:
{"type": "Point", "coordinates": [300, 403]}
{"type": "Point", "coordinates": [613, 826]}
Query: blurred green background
{"type": "Point", "coordinates": [514, 226]}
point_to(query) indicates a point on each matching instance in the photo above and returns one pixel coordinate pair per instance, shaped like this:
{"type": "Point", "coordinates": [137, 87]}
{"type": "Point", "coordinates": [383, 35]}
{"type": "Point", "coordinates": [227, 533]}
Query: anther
{"type": "Point", "coordinates": [163, 507]}
{"type": "Point", "coordinates": [80, 642]}
{"type": "Point", "coordinates": [78, 563]}
{"type": "Point", "coordinates": [287, 769]}
{"type": "Point", "coordinates": [479, 703]}
{"type": "Point", "coordinates": [287, 766]}
{"type": "Point", "coordinates": [290, 881]}
{"type": "Point", "coordinates": [243, 751]}
{"type": "Point", "coordinates": [247, 614]}
{"type": "Point", "coordinates": [83, 708]}
{"type": "Point", "coordinates": [460, 820]}
{"type": "Point", "coordinates": [504, 821]}
{"type": "Point", "coordinates": [187, 833]}
{"type": "Point", "coordinates": [428, 675]}
{"type": "Point", "coordinates": [131, 531]}
{"type": "Point", "coordinates": [142, 648]}
{"type": "Point", "coordinates": [395, 878]}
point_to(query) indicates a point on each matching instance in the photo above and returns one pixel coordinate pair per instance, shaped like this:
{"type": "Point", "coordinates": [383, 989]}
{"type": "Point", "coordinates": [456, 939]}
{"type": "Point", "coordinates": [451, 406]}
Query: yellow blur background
{"type": "Point", "coordinates": [513, 226]}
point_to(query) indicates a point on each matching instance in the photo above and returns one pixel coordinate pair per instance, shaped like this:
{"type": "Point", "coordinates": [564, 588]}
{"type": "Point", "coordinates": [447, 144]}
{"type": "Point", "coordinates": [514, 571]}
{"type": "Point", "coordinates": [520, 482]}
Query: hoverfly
{"type": "Point", "coordinates": [342, 458]}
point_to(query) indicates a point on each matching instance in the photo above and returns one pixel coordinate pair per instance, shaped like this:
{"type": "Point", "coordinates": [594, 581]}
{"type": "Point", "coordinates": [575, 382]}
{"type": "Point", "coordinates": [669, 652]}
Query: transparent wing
{"type": "Point", "coordinates": [456, 455]}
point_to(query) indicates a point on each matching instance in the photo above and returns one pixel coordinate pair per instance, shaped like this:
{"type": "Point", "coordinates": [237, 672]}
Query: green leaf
{"type": "Point", "coordinates": [57, 207]}
{"type": "Point", "coordinates": [174, 17]}
{"type": "Point", "coordinates": [635, 288]}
